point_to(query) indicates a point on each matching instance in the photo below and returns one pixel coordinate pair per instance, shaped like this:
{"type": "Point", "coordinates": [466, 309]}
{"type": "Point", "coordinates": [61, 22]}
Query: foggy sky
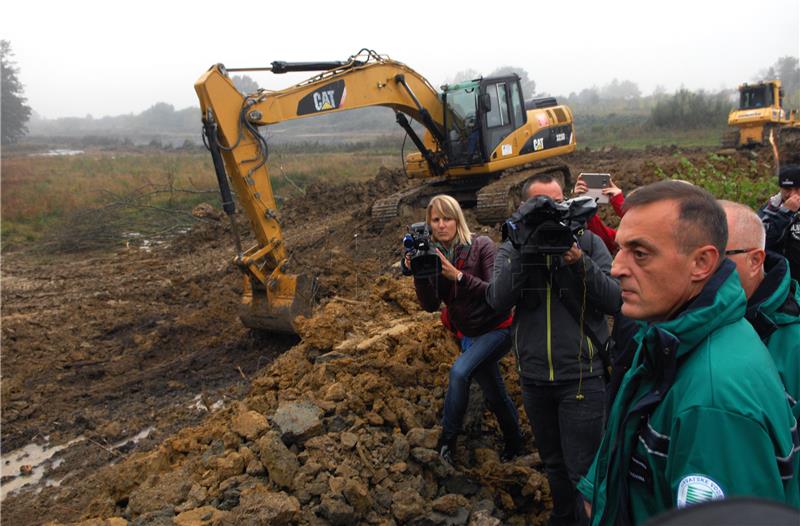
{"type": "Point", "coordinates": [110, 58]}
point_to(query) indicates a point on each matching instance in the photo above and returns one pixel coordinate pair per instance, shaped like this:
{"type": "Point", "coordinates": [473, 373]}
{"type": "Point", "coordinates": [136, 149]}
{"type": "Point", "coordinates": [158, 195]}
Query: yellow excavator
{"type": "Point", "coordinates": [481, 141]}
{"type": "Point", "coordinates": [761, 120]}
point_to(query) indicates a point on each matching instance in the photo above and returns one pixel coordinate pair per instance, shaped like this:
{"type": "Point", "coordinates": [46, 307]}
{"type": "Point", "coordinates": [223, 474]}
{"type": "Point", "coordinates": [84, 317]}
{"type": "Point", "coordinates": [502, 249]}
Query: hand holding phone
{"type": "Point", "coordinates": [595, 184]}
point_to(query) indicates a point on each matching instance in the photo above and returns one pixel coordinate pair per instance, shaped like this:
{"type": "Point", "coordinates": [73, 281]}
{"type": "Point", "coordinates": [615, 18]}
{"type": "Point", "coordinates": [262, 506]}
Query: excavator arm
{"type": "Point", "coordinates": [273, 297]}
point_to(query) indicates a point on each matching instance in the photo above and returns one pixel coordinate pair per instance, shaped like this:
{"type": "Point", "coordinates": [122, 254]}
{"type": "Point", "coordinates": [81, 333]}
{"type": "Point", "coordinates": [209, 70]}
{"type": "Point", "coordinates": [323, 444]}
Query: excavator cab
{"type": "Point", "coordinates": [479, 114]}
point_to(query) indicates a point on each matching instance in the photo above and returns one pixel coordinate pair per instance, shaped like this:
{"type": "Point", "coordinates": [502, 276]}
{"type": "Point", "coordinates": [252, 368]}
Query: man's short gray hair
{"type": "Point", "coordinates": [744, 226]}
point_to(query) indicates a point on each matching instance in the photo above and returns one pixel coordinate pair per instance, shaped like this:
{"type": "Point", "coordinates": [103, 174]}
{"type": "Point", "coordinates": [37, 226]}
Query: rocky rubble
{"type": "Point", "coordinates": [339, 430]}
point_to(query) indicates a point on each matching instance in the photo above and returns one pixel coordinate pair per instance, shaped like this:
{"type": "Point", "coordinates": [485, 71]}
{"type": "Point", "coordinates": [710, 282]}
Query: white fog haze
{"type": "Point", "coordinates": [100, 58]}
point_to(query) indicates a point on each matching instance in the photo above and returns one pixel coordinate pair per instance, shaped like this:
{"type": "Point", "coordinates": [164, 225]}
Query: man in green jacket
{"type": "Point", "coordinates": [773, 297]}
{"type": "Point", "coordinates": [701, 414]}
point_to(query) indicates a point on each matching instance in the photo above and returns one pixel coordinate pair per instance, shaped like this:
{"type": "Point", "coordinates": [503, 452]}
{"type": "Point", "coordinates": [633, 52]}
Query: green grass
{"type": "Point", "coordinates": [633, 132]}
{"type": "Point", "coordinates": [727, 178]}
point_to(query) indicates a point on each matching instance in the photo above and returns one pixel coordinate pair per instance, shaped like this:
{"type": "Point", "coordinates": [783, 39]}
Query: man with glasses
{"type": "Point", "coordinates": [782, 220]}
{"type": "Point", "coordinates": [773, 297]}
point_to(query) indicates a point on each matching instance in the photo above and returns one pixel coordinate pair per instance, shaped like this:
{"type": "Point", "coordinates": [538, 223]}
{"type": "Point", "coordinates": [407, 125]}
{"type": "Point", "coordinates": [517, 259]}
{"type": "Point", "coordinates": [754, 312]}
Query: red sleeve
{"type": "Point", "coordinates": [617, 201]}
{"type": "Point", "coordinates": [606, 233]}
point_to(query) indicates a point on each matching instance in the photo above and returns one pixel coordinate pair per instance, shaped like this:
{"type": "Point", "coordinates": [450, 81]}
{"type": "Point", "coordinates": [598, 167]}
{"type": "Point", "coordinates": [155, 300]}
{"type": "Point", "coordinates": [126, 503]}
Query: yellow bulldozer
{"type": "Point", "coordinates": [761, 120]}
{"type": "Point", "coordinates": [481, 141]}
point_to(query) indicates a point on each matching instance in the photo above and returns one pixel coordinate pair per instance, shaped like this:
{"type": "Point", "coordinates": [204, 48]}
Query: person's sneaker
{"type": "Point", "coordinates": [447, 451]}
{"type": "Point", "coordinates": [447, 454]}
{"type": "Point", "coordinates": [512, 450]}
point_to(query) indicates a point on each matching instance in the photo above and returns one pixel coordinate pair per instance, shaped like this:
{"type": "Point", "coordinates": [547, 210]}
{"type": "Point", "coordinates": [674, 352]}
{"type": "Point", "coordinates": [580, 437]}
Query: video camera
{"type": "Point", "coordinates": [425, 262]}
{"type": "Point", "coordinates": [542, 226]}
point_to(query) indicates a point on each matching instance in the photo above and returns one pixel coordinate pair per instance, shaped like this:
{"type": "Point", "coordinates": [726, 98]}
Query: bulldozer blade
{"type": "Point", "coordinates": [277, 309]}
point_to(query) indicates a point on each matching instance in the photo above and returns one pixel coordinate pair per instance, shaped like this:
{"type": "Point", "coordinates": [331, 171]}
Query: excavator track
{"type": "Point", "coordinates": [401, 203]}
{"type": "Point", "coordinates": [494, 197]}
{"type": "Point", "coordinates": [499, 199]}
{"type": "Point", "coordinates": [386, 209]}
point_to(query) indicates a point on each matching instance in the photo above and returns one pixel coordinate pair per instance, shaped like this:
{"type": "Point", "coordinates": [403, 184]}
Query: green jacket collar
{"type": "Point", "coordinates": [774, 292]}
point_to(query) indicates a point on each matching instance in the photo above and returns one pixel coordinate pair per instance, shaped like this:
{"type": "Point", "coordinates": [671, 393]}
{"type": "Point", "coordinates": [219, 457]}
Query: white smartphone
{"type": "Point", "coordinates": [596, 183]}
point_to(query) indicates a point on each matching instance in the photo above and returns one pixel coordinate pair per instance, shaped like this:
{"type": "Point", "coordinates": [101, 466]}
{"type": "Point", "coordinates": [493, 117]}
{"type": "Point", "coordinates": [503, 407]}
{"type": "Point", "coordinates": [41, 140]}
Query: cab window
{"type": "Point", "coordinates": [498, 115]}
{"type": "Point", "coordinates": [517, 105]}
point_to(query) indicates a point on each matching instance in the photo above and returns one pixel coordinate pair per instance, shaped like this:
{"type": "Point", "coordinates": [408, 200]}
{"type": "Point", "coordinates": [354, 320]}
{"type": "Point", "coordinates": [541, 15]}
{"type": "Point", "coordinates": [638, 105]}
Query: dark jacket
{"type": "Point", "coordinates": [774, 312]}
{"type": "Point", "coordinates": [467, 309]}
{"type": "Point", "coordinates": [549, 299]}
{"type": "Point", "coordinates": [783, 232]}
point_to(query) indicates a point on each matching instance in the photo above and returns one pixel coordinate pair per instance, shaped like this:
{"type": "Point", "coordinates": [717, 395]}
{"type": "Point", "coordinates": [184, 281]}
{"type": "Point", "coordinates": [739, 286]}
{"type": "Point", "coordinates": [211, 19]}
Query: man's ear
{"type": "Point", "coordinates": [755, 261]}
{"type": "Point", "coordinates": [705, 261]}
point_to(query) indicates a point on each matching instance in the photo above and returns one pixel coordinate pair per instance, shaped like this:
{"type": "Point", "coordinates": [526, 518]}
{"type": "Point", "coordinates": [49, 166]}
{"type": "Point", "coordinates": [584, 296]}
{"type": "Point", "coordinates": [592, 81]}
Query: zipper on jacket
{"type": "Point", "coordinates": [591, 353]}
{"type": "Point", "coordinates": [549, 330]}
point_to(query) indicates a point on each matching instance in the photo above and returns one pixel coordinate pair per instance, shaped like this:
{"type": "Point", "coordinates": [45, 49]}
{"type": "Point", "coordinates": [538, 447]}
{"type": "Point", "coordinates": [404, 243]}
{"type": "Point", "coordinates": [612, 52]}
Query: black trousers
{"type": "Point", "coordinates": [568, 430]}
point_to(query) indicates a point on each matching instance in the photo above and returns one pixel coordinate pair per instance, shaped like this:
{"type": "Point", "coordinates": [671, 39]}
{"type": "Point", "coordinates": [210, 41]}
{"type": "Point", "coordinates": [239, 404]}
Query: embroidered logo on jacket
{"type": "Point", "coordinates": [697, 488]}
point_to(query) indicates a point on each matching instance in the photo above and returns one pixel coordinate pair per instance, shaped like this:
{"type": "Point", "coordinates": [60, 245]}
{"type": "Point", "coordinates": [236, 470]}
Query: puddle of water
{"type": "Point", "coordinates": [57, 153]}
{"type": "Point", "coordinates": [144, 433]}
{"type": "Point", "coordinates": [198, 404]}
{"type": "Point", "coordinates": [142, 242]}
{"type": "Point", "coordinates": [38, 456]}
{"type": "Point", "coordinates": [34, 455]}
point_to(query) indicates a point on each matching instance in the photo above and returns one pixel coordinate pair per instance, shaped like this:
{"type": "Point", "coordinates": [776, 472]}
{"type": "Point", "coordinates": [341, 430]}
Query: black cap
{"type": "Point", "coordinates": [789, 176]}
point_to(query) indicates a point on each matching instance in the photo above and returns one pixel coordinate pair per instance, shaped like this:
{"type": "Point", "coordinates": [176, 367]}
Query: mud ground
{"type": "Point", "coordinates": [101, 348]}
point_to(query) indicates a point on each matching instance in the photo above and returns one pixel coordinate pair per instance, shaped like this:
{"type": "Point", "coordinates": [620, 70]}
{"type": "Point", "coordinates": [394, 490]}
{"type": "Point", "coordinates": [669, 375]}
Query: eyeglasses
{"type": "Point", "coordinates": [738, 251]}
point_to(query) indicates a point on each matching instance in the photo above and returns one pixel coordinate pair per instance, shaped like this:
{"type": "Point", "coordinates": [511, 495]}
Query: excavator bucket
{"type": "Point", "coordinates": [276, 307]}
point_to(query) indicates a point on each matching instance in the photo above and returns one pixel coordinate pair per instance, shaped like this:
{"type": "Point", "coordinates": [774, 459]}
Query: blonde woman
{"type": "Point", "coordinates": [483, 333]}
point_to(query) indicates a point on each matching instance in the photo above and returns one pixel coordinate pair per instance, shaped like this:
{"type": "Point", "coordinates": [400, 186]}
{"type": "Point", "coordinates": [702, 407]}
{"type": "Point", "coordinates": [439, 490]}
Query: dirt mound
{"type": "Point", "coordinates": [351, 423]}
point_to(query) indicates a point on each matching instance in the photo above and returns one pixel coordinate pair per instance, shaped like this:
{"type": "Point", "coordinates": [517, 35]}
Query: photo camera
{"type": "Point", "coordinates": [425, 262]}
{"type": "Point", "coordinates": [542, 226]}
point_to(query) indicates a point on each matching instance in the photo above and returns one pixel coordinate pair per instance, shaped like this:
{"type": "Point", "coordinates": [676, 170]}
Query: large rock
{"type": "Point", "coordinates": [281, 464]}
{"type": "Point", "coordinates": [450, 504]}
{"type": "Point", "coordinates": [249, 424]}
{"type": "Point", "coordinates": [160, 491]}
{"type": "Point", "coordinates": [407, 504]}
{"type": "Point", "coordinates": [298, 421]}
{"type": "Point", "coordinates": [204, 516]}
{"type": "Point", "coordinates": [338, 512]}
{"type": "Point", "coordinates": [400, 447]}
{"type": "Point", "coordinates": [229, 465]}
{"type": "Point", "coordinates": [483, 518]}
{"type": "Point", "coordinates": [421, 437]}
{"type": "Point", "coordinates": [258, 505]}
{"type": "Point", "coordinates": [357, 495]}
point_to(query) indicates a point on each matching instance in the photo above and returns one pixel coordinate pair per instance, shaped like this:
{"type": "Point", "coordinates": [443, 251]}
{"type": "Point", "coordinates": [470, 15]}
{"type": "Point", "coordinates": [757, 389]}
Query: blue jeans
{"type": "Point", "coordinates": [567, 433]}
{"type": "Point", "coordinates": [478, 360]}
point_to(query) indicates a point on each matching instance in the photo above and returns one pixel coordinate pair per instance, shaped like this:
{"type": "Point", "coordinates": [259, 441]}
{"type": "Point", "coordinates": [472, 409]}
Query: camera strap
{"type": "Point", "coordinates": [603, 346]}
{"type": "Point", "coordinates": [461, 256]}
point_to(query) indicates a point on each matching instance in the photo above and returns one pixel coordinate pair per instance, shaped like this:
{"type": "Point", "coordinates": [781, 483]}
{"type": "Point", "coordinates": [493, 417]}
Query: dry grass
{"type": "Point", "coordinates": [140, 191]}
